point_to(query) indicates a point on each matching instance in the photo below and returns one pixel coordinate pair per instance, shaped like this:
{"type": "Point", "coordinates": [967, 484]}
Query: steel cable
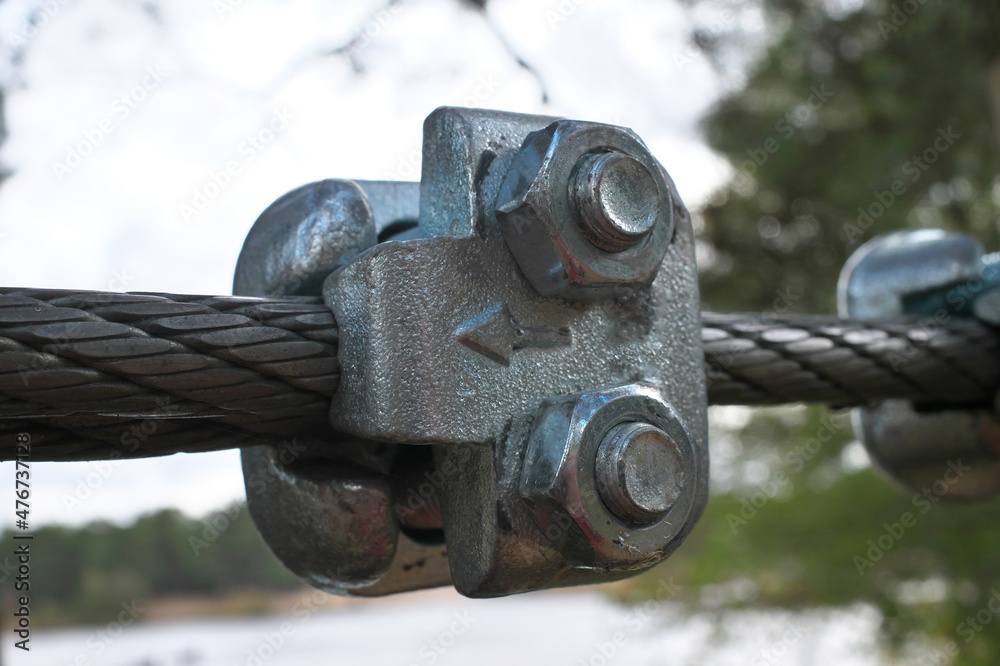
{"type": "Point", "coordinates": [95, 375]}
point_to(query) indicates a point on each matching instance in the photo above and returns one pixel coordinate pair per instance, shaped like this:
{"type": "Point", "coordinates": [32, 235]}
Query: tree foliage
{"type": "Point", "coordinates": [845, 101]}
{"type": "Point", "coordinates": [838, 109]}
{"type": "Point", "coordinates": [84, 574]}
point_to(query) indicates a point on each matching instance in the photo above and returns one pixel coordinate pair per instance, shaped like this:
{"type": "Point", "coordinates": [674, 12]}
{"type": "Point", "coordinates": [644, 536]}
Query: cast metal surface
{"type": "Point", "coordinates": [306, 234]}
{"type": "Point", "coordinates": [498, 346]}
{"type": "Point", "coordinates": [331, 522]}
{"type": "Point", "coordinates": [938, 274]}
{"type": "Point", "coordinates": [449, 340]}
{"type": "Point", "coordinates": [328, 510]}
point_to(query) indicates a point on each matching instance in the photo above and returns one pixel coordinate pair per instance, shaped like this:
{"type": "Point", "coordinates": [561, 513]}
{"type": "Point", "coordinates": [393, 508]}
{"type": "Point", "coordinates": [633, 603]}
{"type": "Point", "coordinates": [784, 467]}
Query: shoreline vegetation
{"type": "Point", "coordinates": [165, 562]}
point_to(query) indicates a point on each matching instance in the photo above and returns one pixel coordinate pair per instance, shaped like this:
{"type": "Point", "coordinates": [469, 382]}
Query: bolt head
{"type": "Point", "coordinates": [639, 472]}
{"type": "Point", "coordinates": [560, 479]}
{"type": "Point", "coordinates": [616, 200]}
{"type": "Point", "coordinates": [586, 211]}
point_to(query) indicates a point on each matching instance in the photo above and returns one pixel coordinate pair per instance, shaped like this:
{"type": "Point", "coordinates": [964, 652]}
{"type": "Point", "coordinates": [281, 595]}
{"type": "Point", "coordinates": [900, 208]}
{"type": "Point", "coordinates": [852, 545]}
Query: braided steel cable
{"type": "Point", "coordinates": [100, 375]}
{"type": "Point", "coordinates": [139, 352]}
{"type": "Point", "coordinates": [193, 373]}
{"type": "Point", "coordinates": [754, 360]}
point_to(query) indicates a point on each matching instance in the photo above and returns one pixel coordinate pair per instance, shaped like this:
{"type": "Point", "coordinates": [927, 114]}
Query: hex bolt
{"type": "Point", "coordinates": [586, 211]}
{"type": "Point", "coordinates": [615, 198]}
{"type": "Point", "coordinates": [639, 472]}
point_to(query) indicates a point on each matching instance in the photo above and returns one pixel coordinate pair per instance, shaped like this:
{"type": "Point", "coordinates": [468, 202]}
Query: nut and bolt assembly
{"type": "Point", "coordinates": [639, 472]}
{"type": "Point", "coordinates": [616, 470]}
{"type": "Point", "coordinates": [586, 211]}
{"type": "Point", "coordinates": [538, 335]}
{"type": "Point", "coordinates": [616, 199]}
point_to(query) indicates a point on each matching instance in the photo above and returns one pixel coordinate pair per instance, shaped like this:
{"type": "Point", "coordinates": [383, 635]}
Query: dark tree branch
{"type": "Point", "coordinates": [480, 7]}
{"type": "Point", "coordinates": [352, 48]}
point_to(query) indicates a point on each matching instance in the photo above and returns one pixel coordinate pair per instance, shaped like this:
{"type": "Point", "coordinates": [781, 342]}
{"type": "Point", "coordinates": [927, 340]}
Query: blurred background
{"type": "Point", "coordinates": [117, 112]}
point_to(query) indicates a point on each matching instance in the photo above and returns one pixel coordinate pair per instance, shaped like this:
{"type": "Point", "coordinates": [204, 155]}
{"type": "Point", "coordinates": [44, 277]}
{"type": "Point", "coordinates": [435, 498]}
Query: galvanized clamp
{"type": "Point", "coordinates": [522, 384]}
{"type": "Point", "coordinates": [953, 454]}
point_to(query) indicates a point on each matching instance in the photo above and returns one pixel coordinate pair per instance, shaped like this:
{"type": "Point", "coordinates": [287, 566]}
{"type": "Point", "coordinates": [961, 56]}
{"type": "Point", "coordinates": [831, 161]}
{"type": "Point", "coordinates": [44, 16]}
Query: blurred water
{"type": "Point", "coordinates": [555, 629]}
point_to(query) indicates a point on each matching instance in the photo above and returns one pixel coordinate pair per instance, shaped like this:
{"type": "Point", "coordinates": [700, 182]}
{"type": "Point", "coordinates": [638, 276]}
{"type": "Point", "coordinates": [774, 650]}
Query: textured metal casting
{"type": "Point", "coordinates": [446, 340]}
{"type": "Point", "coordinates": [303, 236]}
{"type": "Point", "coordinates": [306, 234]}
{"type": "Point", "coordinates": [498, 348]}
{"type": "Point", "coordinates": [882, 273]}
{"type": "Point", "coordinates": [954, 454]}
{"type": "Point", "coordinates": [329, 521]}
{"type": "Point", "coordinates": [329, 513]}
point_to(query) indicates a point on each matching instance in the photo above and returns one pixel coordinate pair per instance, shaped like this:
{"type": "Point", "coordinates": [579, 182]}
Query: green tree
{"type": "Point", "coordinates": [836, 110]}
{"type": "Point", "coordinates": [82, 575]}
{"type": "Point", "coordinates": [841, 103]}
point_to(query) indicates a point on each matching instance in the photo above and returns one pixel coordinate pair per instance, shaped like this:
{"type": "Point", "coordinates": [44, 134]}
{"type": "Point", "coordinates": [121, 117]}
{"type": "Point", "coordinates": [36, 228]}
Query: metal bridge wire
{"type": "Point", "coordinates": [96, 375]}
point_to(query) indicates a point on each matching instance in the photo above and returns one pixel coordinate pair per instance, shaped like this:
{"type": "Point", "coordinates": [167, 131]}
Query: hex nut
{"type": "Point", "coordinates": [573, 210]}
{"type": "Point", "coordinates": [559, 483]}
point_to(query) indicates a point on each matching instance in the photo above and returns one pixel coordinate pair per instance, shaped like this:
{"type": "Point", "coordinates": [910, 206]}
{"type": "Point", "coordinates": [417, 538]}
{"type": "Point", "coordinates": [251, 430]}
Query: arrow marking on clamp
{"type": "Point", "coordinates": [495, 335]}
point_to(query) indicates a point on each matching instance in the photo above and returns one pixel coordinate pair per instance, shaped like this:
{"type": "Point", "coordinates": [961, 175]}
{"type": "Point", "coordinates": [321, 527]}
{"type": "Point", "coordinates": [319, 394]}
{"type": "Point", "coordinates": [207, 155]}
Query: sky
{"type": "Point", "coordinates": [120, 113]}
